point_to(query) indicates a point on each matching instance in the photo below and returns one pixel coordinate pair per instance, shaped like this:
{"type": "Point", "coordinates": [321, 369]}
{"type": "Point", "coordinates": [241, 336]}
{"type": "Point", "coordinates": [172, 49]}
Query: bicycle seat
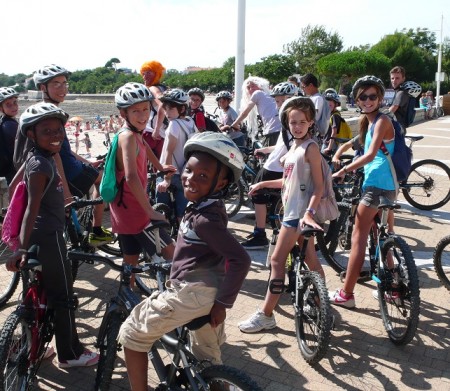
{"type": "Point", "coordinates": [414, 137]}
{"type": "Point", "coordinates": [196, 323]}
{"type": "Point", "coordinates": [309, 231]}
{"type": "Point", "coordinates": [386, 203]}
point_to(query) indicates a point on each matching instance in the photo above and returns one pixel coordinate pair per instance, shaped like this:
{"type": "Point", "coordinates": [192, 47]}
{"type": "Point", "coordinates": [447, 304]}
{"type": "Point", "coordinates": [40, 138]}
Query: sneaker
{"type": "Point", "coordinates": [87, 359]}
{"type": "Point", "coordinates": [98, 240]}
{"type": "Point", "coordinates": [258, 322]}
{"type": "Point", "coordinates": [393, 298]}
{"type": "Point", "coordinates": [255, 242]}
{"type": "Point", "coordinates": [337, 299]}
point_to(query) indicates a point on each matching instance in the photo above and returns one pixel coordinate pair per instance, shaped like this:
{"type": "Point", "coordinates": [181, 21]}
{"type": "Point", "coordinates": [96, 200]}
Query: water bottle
{"type": "Point", "coordinates": [272, 244]}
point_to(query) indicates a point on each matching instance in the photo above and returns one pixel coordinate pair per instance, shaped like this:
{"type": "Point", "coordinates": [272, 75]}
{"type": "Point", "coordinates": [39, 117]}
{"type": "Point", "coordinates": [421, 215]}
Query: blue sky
{"type": "Point", "coordinates": [84, 34]}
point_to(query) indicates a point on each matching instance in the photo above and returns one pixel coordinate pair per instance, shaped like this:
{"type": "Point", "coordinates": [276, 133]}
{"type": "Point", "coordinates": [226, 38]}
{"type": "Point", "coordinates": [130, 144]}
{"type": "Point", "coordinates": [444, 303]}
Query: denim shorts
{"type": "Point", "coordinates": [371, 196]}
{"type": "Point", "coordinates": [291, 223]}
{"type": "Point", "coordinates": [180, 199]}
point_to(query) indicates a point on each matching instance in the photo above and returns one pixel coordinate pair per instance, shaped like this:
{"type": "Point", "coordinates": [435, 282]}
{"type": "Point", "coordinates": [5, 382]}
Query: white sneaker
{"type": "Point", "coordinates": [337, 299]}
{"type": "Point", "coordinates": [258, 322]}
{"type": "Point", "coordinates": [86, 359]}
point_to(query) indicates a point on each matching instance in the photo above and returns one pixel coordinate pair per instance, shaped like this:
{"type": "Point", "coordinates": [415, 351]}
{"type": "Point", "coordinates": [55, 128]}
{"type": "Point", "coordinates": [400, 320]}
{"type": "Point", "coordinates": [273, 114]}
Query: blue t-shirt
{"type": "Point", "coordinates": [72, 166]}
{"type": "Point", "coordinates": [377, 173]}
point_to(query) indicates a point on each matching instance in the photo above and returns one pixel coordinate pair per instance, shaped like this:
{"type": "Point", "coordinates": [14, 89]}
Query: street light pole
{"type": "Point", "coordinates": [438, 74]}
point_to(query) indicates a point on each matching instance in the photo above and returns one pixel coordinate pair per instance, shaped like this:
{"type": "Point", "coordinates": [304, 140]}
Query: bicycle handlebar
{"type": "Point", "coordinates": [79, 203]}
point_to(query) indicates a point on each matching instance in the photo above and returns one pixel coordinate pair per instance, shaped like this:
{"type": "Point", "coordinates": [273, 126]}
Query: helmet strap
{"type": "Point", "coordinates": [48, 98]}
{"type": "Point", "coordinates": [133, 128]}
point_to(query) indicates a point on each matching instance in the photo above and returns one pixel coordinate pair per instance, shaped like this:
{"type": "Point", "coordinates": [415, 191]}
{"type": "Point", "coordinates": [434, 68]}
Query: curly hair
{"type": "Point", "coordinates": [155, 67]}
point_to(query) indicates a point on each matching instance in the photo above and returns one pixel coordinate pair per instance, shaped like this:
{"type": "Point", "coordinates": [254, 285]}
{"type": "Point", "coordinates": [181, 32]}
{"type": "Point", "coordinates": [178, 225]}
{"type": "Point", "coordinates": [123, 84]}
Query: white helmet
{"type": "Point", "coordinates": [132, 93]}
{"type": "Point", "coordinates": [176, 95]}
{"type": "Point", "coordinates": [284, 88]}
{"type": "Point", "coordinates": [412, 88]}
{"type": "Point", "coordinates": [7, 92]}
{"type": "Point", "coordinates": [225, 95]}
{"type": "Point", "coordinates": [221, 147]}
{"type": "Point", "coordinates": [331, 94]}
{"type": "Point", "coordinates": [45, 74]}
{"type": "Point", "coordinates": [36, 113]}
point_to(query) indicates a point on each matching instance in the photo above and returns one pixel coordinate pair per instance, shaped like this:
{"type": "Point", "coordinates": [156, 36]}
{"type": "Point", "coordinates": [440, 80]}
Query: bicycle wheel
{"type": "Point", "coordinates": [441, 260]}
{"type": "Point", "coordinates": [223, 377]}
{"type": "Point", "coordinates": [398, 293]}
{"type": "Point", "coordinates": [276, 212]}
{"type": "Point", "coordinates": [234, 198]}
{"type": "Point", "coordinates": [108, 347]}
{"type": "Point", "coordinates": [112, 248]}
{"type": "Point", "coordinates": [15, 344]}
{"type": "Point", "coordinates": [149, 282]}
{"type": "Point", "coordinates": [8, 280]}
{"type": "Point", "coordinates": [165, 210]}
{"type": "Point", "coordinates": [428, 185]}
{"type": "Point", "coordinates": [312, 317]}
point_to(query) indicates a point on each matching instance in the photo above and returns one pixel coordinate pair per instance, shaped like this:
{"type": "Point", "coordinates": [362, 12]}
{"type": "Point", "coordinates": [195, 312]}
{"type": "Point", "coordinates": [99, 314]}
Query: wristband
{"type": "Point", "coordinates": [311, 210]}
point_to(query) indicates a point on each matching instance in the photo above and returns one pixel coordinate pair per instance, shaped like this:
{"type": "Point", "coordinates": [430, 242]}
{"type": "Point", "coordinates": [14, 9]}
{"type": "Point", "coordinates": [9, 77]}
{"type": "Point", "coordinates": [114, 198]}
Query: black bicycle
{"type": "Point", "coordinates": [441, 261]}
{"type": "Point", "coordinates": [309, 295]}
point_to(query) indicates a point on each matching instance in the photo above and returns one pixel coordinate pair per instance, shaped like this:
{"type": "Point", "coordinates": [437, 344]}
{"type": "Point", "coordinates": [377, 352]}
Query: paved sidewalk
{"type": "Point", "coordinates": [360, 356]}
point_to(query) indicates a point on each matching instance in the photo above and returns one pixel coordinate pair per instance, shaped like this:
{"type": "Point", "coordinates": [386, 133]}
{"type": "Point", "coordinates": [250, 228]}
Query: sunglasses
{"type": "Point", "coordinates": [372, 97]}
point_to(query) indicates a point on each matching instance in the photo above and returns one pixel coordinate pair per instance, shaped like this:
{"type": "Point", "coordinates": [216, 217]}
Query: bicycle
{"type": "Point", "coordinates": [117, 310]}
{"type": "Point", "coordinates": [185, 371]}
{"type": "Point", "coordinates": [309, 295]}
{"type": "Point", "coordinates": [28, 330]}
{"type": "Point", "coordinates": [436, 112]}
{"type": "Point", "coordinates": [391, 266]}
{"type": "Point", "coordinates": [441, 261]}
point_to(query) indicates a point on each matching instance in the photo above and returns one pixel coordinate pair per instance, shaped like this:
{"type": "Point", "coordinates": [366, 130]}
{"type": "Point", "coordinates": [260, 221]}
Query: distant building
{"type": "Point", "coordinates": [196, 69]}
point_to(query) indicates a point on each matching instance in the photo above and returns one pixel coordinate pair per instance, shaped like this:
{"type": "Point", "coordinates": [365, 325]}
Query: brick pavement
{"type": "Point", "coordinates": [360, 355]}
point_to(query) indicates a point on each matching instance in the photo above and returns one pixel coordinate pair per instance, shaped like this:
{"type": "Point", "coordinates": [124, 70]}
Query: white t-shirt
{"type": "Point", "coordinates": [181, 134]}
{"type": "Point", "coordinates": [318, 101]}
{"type": "Point", "coordinates": [267, 109]}
{"type": "Point", "coordinates": [273, 160]}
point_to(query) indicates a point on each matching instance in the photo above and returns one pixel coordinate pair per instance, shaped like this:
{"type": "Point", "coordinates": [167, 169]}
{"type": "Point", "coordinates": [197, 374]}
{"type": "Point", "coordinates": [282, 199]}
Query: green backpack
{"type": "Point", "coordinates": [109, 186]}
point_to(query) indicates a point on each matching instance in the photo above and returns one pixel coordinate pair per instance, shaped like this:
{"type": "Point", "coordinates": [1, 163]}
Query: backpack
{"type": "Point", "coordinates": [402, 155]}
{"type": "Point", "coordinates": [109, 186]}
{"type": "Point", "coordinates": [410, 111]}
{"type": "Point", "coordinates": [322, 123]}
{"type": "Point", "coordinates": [344, 130]}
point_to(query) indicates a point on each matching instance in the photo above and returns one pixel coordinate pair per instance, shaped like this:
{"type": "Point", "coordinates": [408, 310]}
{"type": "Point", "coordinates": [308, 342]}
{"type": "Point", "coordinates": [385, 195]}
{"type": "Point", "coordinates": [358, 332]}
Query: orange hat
{"type": "Point", "coordinates": [153, 66]}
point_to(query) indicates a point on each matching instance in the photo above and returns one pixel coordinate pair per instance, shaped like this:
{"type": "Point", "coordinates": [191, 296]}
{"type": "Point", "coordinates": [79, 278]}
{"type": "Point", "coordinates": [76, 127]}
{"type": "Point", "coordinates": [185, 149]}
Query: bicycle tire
{"type": "Point", "coordinates": [108, 347]}
{"type": "Point", "coordinates": [112, 248]}
{"type": "Point", "coordinates": [312, 321]}
{"type": "Point", "coordinates": [8, 280]}
{"type": "Point", "coordinates": [399, 306]}
{"type": "Point", "coordinates": [276, 212]}
{"type": "Point", "coordinates": [15, 343]}
{"type": "Point", "coordinates": [149, 282]}
{"type": "Point", "coordinates": [441, 261]}
{"type": "Point", "coordinates": [223, 377]}
{"type": "Point", "coordinates": [428, 179]}
{"type": "Point", "coordinates": [167, 212]}
{"type": "Point", "coordinates": [234, 198]}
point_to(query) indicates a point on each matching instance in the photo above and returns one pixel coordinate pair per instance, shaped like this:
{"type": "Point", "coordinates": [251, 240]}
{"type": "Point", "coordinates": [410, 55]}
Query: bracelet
{"type": "Point", "coordinates": [22, 250]}
{"type": "Point", "coordinates": [311, 210]}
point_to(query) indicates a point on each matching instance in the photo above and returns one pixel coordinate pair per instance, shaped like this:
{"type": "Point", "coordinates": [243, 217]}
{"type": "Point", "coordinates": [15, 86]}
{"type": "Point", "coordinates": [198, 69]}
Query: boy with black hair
{"type": "Point", "coordinates": [207, 272]}
{"type": "Point", "coordinates": [9, 108]}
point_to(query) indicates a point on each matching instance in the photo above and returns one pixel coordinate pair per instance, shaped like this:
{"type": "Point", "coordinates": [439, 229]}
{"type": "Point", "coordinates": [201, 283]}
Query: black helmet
{"type": "Point", "coordinates": [197, 91]}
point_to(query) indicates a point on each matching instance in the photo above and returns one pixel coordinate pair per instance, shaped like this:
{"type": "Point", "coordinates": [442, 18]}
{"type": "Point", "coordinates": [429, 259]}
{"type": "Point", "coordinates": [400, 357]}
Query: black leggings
{"type": "Point", "coordinates": [58, 283]}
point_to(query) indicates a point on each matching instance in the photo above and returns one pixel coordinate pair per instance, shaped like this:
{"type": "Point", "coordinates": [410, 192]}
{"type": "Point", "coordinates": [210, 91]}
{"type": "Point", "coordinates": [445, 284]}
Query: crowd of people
{"type": "Point", "coordinates": [168, 129]}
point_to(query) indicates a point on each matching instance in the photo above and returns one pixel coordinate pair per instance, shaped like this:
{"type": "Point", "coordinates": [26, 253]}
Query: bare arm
{"type": "Point", "coordinates": [243, 115]}
{"type": "Point", "coordinates": [312, 156]}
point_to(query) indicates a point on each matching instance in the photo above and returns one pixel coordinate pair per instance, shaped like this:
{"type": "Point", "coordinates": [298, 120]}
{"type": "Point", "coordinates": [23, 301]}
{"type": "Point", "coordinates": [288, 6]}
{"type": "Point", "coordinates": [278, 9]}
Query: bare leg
{"type": "Point", "coordinates": [363, 223]}
{"type": "Point", "coordinates": [260, 215]}
{"type": "Point", "coordinates": [137, 365]}
{"type": "Point", "coordinates": [286, 240]}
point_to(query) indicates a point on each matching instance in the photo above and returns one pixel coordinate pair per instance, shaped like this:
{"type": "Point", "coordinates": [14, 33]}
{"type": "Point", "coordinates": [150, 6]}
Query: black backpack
{"type": "Point", "coordinates": [410, 111]}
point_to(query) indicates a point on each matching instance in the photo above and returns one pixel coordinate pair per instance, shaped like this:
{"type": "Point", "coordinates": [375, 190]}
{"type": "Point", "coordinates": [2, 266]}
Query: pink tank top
{"type": "Point", "coordinates": [129, 217]}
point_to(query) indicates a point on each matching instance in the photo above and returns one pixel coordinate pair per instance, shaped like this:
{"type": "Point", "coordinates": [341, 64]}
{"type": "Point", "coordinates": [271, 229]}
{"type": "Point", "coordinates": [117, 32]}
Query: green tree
{"type": "Point", "coordinates": [314, 43]}
{"type": "Point", "coordinates": [112, 63]}
{"type": "Point", "coordinates": [275, 68]}
{"type": "Point", "coordinates": [423, 38]}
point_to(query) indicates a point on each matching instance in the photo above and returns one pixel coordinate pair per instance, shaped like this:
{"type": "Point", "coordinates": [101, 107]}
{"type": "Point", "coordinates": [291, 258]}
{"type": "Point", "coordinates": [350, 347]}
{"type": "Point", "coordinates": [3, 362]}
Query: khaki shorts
{"type": "Point", "coordinates": [371, 196]}
{"type": "Point", "coordinates": [163, 312]}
